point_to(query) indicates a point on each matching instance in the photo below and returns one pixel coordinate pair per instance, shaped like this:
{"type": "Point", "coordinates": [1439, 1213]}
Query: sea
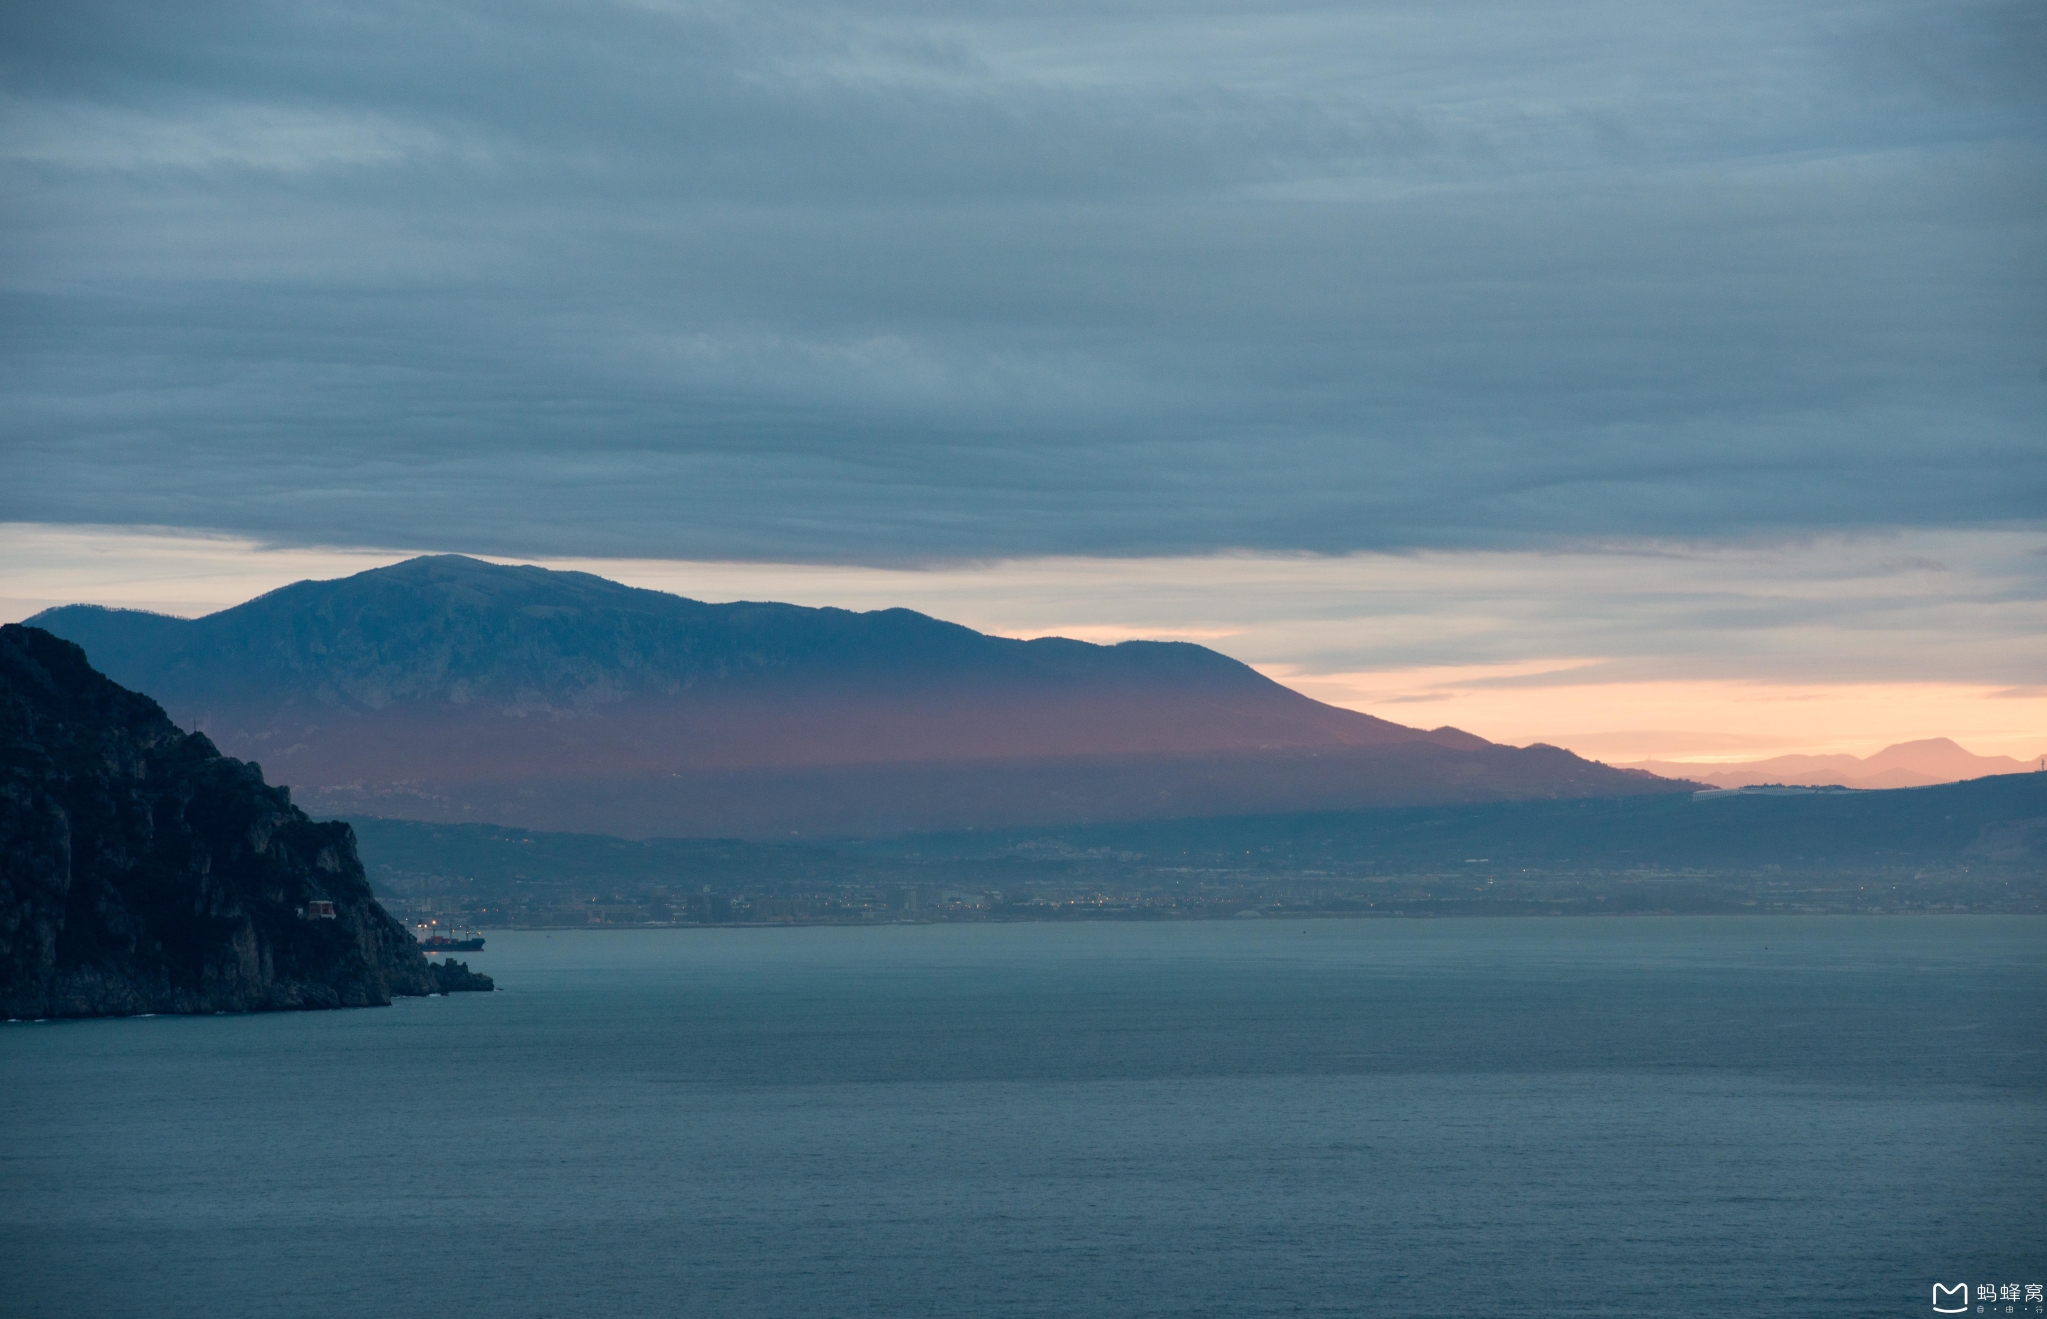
{"type": "Point", "coordinates": [1685, 1116]}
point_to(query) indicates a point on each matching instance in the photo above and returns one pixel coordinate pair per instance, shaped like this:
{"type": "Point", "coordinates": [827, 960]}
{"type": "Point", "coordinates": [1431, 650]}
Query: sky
{"type": "Point", "coordinates": [1670, 378]}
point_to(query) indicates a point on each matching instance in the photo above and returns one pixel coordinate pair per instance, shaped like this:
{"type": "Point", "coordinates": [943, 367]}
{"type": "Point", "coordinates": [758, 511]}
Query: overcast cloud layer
{"type": "Point", "coordinates": [890, 281]}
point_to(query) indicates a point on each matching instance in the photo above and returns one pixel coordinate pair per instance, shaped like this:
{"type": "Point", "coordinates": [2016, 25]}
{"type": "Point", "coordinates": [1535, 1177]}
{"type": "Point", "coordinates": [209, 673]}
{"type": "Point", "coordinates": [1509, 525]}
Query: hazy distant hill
{"type": "Point", "coordinates": [1905, 765]}
{"type": "Point", "coordinates": [1998, 822]}
{"type": "Point", "coordinates": [1978, 846]}
{"type": "Point", "coordinates": [445, 688]}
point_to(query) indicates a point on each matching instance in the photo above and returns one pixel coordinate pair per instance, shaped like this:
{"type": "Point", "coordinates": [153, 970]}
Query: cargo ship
{"type": "Point", "coordinates": [433, 941]}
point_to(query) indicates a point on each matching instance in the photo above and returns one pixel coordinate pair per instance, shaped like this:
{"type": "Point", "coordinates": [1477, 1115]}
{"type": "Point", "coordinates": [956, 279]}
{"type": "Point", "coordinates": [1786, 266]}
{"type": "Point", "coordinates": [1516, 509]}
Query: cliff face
{"type": "Point", "coordinates": [142, 871]}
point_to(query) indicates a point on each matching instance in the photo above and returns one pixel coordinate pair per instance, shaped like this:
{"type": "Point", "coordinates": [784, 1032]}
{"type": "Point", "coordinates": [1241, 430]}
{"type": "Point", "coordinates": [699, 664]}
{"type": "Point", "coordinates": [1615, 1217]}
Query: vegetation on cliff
{"type": "Point", "coordinates": [142, 871]}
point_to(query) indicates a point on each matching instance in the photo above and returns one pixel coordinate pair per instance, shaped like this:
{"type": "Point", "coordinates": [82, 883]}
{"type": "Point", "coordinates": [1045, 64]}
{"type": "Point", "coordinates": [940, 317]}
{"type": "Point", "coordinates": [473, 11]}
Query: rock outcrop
{"type": "Point", "coordinates": [142, 871]}
{"type": "Point", "coordinates": [453, 977]}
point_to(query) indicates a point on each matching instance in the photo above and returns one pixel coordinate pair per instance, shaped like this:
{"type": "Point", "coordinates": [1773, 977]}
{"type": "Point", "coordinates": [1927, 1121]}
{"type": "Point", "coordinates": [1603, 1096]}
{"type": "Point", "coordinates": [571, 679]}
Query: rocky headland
{"type": "Point", "coordinates": [143, 871]}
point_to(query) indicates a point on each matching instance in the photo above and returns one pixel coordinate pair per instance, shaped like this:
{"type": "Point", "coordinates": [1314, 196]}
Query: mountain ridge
{"type": "Point", "coordinates": [454, 630]}
{"type": "Point", "coordinates": [1916, 764]}
{"type": "Point", "coordinates": [451, 688]}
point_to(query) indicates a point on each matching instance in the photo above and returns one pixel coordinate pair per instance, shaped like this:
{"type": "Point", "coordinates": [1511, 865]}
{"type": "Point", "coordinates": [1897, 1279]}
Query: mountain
{"type": "Point", "coordinates": [142, 871]}
{"type": "Point", "coordinates": [1903, 765]}
{"type": "Point", "coordinates": [444, 688]}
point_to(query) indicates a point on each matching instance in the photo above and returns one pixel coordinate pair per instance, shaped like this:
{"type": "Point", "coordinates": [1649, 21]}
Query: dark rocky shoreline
{"type": "Point", "coordinates": [142, 871]}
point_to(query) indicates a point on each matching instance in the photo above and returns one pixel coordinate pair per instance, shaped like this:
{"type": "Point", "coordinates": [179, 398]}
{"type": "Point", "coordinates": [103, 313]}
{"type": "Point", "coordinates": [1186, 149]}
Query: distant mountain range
{"type": "Point", "coordinates": [449, 689]}
{"type": "Point", "coordinates": [1996, 823]}
{"type": "Point", "coordinates": [1976, 846]}
{"type": "Point", "coordinates": [1905, 765]}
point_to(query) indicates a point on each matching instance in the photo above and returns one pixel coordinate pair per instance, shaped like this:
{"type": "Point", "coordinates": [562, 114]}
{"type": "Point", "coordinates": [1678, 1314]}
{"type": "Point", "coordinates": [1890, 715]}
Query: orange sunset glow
{"type": "Point", "coordinates": [1699, 721]}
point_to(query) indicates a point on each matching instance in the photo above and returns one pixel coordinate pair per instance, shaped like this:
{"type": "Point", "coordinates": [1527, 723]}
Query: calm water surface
{"type": "Point", "coordinates": [1688, 1116]}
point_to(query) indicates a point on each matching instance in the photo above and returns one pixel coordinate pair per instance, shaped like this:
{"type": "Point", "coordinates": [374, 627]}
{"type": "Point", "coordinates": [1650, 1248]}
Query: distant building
{"type": "Point", "coordinates": [320, 911]}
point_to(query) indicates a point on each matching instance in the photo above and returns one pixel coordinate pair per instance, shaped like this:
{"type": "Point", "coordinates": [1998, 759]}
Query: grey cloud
{"type": "Point", "coordinates": [886, 282]}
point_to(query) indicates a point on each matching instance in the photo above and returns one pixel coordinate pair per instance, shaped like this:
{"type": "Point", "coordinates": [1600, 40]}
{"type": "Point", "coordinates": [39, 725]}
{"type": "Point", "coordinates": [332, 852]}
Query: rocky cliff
{"type": "Point", "coordinates": [142, 871]}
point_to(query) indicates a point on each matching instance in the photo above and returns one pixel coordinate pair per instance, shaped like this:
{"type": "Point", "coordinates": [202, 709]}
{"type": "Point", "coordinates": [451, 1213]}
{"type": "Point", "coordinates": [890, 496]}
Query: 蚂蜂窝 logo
{"type": "Point", "coordinates": [1951, 1300]}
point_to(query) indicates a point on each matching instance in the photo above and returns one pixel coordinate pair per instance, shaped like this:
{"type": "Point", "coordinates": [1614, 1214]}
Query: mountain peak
{"type": "Point", "coordinates": [1918, 763]}
{"type": "Point", "coordinates": [446, 684]}
{"type": "Point", "coordinates": [1938, 755]}
{"type": "Point", "coordinates": [449, 628]}
{"type": "Point", "coordinates": [480, 583]}
{"type": "Point", "coordinates": [1924, 744]}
